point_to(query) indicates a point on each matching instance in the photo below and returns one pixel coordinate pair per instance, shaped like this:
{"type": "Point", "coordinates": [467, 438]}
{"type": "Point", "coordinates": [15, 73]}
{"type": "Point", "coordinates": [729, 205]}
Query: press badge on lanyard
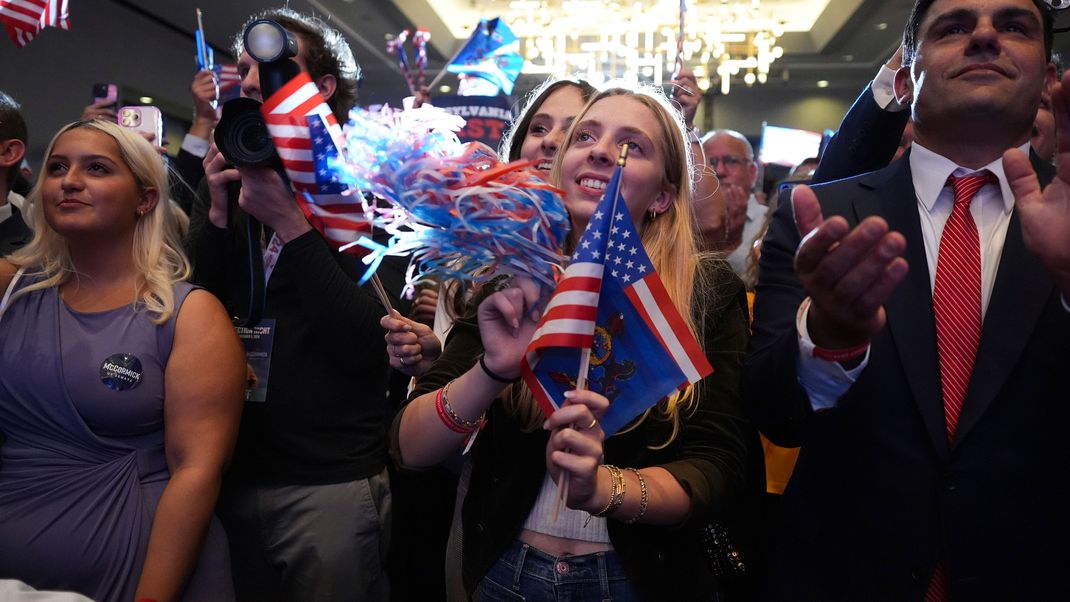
{"type": "Point", "coordinates": [257, 342]}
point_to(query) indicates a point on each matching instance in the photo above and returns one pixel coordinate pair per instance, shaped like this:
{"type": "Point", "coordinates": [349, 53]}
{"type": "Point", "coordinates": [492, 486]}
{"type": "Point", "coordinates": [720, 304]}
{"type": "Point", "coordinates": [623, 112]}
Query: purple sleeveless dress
{"type": "Point", "coordinates": [82, 464]}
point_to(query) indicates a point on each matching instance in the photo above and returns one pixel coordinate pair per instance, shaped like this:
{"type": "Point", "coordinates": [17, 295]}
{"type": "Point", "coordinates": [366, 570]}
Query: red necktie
{"type": "Point", "coordinates": [957, 303]}
{"type": "Point", "coordinates": [957, 297]}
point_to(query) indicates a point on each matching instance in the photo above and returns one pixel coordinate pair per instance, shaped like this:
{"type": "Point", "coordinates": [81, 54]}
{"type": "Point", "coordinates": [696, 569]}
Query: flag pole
{"type": "Point", "coordinates": [381, 292]}
{"type": "Point", "coordinates": [444, 71]}
{"type": "Point", "coordinates": [585, 356]}
{"type": "Point", "coordinates": [679, 66]}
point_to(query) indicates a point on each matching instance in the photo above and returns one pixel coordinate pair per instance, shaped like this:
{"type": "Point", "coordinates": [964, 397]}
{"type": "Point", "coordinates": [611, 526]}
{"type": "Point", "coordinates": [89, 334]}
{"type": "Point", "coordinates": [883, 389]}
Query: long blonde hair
{"type": "Point", "coordinates": [669, 240]}
{"type": "Point", "coordinates": [157, 247]}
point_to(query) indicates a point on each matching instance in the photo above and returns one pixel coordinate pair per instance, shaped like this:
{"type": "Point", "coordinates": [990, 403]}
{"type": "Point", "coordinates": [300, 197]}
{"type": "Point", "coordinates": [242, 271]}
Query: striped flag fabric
{"type": "Point", "coordinates": [229, 81]}
{"type": "Point", "coordinates": [568, 322]}
{"type": "Point", "coordinates": [24, 19]}
{"type": "Point", "coordinates": [307, 137]}
{"type": "Point", "coordinates": [612, 301]}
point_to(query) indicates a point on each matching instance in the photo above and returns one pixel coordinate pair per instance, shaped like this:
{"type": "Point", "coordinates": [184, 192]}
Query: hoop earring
{"type": "Point", "coordinates": [653, 214]}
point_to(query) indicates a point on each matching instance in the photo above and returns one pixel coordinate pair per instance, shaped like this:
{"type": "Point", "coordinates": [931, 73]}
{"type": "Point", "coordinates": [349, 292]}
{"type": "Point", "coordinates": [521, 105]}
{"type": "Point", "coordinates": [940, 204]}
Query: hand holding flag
{"type": "Point", "coordinates": [307, 136]}
{"type": "Point", "coordinates": [612, 303]}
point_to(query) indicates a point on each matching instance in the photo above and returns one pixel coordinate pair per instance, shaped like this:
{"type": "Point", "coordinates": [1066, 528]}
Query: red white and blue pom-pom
{"type": "Point", "coordinates": [458, 210]}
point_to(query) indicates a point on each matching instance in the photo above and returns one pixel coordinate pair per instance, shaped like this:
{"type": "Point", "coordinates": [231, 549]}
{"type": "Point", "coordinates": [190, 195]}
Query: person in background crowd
{"type": "Point", "coordinates": [732, 155]}
{"type": "Point", "coordinates": [120, 386]}
{"type": "Point", "coordinates": [190, 160]}
{"type": "Point", "coordinates": [14, 233]}
{"type": "Point", "coordinates": [803, 171]}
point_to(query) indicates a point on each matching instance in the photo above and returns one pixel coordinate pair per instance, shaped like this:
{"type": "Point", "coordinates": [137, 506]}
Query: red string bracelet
{"type": "Point", "coordinates": [841, 355]}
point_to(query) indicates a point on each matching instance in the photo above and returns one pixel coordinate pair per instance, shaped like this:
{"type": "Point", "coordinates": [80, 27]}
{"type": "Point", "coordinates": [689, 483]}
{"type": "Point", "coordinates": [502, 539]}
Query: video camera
{"type": "Point", "coordinates": [243, 138]}
{"type": "Point", "coordinates": [241, 134]}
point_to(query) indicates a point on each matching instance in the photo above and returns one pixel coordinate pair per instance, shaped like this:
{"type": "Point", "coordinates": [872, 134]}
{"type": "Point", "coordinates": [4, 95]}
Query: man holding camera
{"type": "Point", "coordinates": [306, 502]}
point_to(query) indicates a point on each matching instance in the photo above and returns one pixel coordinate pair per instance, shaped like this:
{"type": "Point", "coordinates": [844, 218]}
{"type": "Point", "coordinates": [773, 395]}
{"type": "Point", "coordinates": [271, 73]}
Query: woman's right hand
{"type": "Point", "coordinates": [507, 321]}
{"type": "Point", "coordinates": [412, 346]}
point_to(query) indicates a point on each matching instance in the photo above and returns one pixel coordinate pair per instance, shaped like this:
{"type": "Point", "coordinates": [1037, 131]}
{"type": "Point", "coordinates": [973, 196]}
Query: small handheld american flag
{"type": "Point", "coordinates": [612, 302]}
{"type": "Point", "coordinates": [307, 137]}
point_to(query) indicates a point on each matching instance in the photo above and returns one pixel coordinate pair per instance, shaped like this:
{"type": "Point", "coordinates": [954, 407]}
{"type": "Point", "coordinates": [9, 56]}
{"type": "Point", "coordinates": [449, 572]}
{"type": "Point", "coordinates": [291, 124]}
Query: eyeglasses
{"type": "Point", "coordinates": [728, 161]}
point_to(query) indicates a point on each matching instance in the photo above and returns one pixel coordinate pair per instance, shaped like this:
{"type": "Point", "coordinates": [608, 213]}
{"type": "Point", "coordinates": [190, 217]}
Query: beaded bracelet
{"type": "Point", "coordinates": [450, 418]}
{"type": "Point", "coordinates": [642, 497]}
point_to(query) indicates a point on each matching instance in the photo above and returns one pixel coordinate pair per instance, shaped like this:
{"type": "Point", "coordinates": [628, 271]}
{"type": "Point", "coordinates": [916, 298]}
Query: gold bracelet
{"type": "Point", "coordinates": [618, 499]}
{"type": "Point", "coordinates": [461, 422]}
{"type": "Point", "coordinates": [642, 497]}
{"type": "Point", "coordinates": [612, 496]}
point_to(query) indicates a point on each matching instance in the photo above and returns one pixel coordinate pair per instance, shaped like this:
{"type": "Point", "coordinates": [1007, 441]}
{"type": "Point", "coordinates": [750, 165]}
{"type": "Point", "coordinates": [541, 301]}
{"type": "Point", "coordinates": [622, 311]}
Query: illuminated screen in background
{"type": "Point", "coordinates": [787, 146]}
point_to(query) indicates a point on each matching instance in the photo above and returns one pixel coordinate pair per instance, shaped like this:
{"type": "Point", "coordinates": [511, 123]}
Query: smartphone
{"type": "Point", "coordinates": [106, 93]}
{"type": "Point", "coordinates": [143, 118]}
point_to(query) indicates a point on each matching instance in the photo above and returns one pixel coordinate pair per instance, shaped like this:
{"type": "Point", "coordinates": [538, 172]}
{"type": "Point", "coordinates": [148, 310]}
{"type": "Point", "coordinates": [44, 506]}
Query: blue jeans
{"type": "Point", "coordinates": [527, 573]}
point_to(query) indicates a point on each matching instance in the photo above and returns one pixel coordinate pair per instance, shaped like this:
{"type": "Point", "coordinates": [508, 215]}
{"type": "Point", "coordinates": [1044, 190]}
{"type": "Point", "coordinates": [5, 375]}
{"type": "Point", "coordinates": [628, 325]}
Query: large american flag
{"type": "Point", "coordinates": [307, 137]}
{"type": "Point", "coordinates": [24, 19]}
{"type": "Point", "coordinates": [612, 301]}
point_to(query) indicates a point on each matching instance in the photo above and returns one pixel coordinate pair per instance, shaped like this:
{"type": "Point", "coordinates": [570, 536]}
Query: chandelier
{"type": "Point", "coordinates": [637, 41]}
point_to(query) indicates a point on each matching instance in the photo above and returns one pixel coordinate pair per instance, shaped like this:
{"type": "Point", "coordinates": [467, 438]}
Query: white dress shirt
{"type": "Point", "coordinates": [883, 90]}
{"type": "Point", "coordinates": [825, 381]}
{"type": "Point", "coordinates": [755, 217]}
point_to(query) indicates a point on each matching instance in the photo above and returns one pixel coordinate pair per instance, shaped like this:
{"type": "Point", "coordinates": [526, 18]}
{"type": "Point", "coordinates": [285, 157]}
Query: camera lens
{"type": "Point", "coordinates": [242, 136]}
{"type": "Point", "coordinates": [265, 41]}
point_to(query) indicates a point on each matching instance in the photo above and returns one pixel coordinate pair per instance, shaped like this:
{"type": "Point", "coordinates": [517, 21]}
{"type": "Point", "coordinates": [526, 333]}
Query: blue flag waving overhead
{"type": "Point", "coordinates": [613, 301]}
{"type": "Point", "coordinates": [492, 53]}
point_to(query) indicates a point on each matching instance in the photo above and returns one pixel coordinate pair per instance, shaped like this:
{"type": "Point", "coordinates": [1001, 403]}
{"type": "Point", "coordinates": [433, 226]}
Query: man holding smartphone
{"type": "Point", "coordinates": [306, 502]}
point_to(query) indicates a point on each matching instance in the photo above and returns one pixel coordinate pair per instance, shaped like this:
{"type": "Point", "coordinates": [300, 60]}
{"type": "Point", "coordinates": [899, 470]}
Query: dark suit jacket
{"type": "Point", "coordinates": [14, 233]}
{"type": "Point", "coordinates": [189, 170]}
{"type": "Point", "coordinates": [865, 141]}
{"type": "Point", "coordinates": [878, 496]}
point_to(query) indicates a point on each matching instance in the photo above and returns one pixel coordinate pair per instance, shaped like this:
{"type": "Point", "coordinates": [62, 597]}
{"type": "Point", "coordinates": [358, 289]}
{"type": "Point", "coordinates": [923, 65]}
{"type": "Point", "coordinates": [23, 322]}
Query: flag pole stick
{"type": "Point", "coordinates": [381, 292]}
{"type": "Point", "coordinates": [679, 65]}
{"type": "Point", "coordinates": [585, 363]}
{"type": "Point", "coordinates": [444, 71]}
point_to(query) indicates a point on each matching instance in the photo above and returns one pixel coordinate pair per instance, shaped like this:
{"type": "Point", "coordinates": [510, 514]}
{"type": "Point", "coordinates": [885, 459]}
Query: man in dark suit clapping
{"type": "Point", "coordinates": [911, 334]}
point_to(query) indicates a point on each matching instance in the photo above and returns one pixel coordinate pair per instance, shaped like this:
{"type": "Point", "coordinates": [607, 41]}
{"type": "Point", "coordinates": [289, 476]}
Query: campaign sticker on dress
{"type": "Point", "coordinates": [121, 372]}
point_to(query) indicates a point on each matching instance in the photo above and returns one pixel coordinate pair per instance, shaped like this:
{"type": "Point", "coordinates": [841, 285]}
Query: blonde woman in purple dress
{"type": "Point", "coordinates": [120, 386]}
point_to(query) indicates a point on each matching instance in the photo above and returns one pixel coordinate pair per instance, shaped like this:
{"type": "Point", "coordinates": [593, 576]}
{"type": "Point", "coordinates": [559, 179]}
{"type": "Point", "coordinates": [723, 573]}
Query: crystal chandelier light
{"type": "Point", "coordinates": [637, 41]}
